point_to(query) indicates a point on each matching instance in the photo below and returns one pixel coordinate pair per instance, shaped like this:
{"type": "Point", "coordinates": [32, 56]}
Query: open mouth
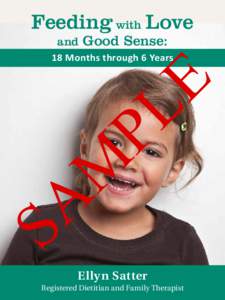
{"type": "Point", "coordinates": [121, 184]}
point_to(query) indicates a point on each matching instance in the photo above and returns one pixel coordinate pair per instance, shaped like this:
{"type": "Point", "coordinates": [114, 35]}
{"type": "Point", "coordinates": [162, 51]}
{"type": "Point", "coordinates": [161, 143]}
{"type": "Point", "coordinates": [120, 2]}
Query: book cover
{"type": "Point", "coordinates": [112, 149]}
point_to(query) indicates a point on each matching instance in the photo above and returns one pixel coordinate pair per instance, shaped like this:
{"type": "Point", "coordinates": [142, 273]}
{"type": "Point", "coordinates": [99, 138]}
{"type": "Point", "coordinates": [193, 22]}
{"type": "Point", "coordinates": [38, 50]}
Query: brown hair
{"type": "Point", "coordinates": [163, 93]}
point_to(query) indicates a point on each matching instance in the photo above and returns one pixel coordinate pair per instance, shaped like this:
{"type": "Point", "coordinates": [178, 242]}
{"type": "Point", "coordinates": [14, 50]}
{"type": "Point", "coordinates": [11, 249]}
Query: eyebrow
{"type": "Point", "coordinates": [146, 142]}
{"type": "Point", "coordinates": [107, 130]}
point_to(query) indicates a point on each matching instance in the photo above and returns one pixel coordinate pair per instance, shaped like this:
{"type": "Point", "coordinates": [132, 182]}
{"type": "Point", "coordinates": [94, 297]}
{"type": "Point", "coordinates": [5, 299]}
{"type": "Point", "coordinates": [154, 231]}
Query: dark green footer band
{"type": "Point", "coordinates": [109, 57]}
{"type": "Point", "coordinates": [112, 282]}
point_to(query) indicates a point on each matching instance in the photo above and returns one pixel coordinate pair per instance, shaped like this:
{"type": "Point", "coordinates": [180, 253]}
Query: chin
{"type": "Point", "coordinates": [116, 205]}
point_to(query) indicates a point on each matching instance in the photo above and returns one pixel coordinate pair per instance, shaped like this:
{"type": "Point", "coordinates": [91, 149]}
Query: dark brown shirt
{"type": "Point", "coordinates": [172, 242]}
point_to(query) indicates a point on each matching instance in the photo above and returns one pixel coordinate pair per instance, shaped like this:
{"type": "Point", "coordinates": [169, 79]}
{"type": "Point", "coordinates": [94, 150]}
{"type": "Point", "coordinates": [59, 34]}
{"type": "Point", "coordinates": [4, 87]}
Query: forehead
{"type": "Point", "coordinates": [150, 126]}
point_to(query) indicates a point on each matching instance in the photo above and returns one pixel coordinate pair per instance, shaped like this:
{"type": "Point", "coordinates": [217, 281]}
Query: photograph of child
{"type": "Point", "coordinates": [119, 226]}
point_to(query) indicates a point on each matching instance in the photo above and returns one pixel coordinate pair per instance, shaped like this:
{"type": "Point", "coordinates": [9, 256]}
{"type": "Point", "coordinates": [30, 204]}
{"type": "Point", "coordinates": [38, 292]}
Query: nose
{"type": "Point", "coordinates": [133, 164]}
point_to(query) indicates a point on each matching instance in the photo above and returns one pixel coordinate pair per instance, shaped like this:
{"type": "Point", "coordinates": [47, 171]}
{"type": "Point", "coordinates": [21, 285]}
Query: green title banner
{"type": "Point", "coordinates": [112, 282]}
{"type": "Point", "coordinates": [110, 57]}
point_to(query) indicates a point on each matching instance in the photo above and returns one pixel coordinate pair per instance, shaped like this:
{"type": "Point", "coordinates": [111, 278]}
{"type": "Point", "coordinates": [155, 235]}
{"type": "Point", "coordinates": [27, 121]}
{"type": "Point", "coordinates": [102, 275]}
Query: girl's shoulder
{"type": "Point", "coordinates": [179, 232]}
{"type": "Point", "coordinates": [166, 221]}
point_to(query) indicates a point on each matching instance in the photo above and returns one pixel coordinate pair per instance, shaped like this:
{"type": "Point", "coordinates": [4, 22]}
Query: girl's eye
{"type": "Point", "coordinates": [152, 152]}
{"type": "Point", "coordinates": [115, 142]}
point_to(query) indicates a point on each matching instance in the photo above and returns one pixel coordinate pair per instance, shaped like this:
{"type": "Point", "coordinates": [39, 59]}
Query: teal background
{"type": "Point", "coordinates": [43, 57]}
{"type": "Point", "coordinates": [200, 282]}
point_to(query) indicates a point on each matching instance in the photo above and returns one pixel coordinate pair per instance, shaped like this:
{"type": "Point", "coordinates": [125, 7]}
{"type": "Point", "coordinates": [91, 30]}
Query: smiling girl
{"type": "Point", "coordinates": [118, 227]}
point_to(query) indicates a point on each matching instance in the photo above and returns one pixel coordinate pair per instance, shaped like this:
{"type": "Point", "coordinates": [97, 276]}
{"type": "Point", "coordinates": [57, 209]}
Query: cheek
{"type": "Point", "coordinates": [96, 154]}
{"type": "Point", "coordinates": [156, 171]}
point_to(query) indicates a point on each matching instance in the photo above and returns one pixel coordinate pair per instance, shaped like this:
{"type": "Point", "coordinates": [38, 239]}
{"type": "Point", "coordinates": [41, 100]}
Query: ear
{"type": "Point", "coordinates": [174, 172]}
{"type": "Point", "coordinates": [83, 144]}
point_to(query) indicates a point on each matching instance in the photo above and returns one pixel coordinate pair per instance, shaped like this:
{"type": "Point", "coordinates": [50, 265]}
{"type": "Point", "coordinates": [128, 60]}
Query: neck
{"type": "Point", "coordinates": [132, 224]}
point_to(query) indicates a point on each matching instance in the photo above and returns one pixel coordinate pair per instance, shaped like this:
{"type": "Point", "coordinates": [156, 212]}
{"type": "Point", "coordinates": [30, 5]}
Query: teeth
{"type": "Point", "coordinates": [132, 183]}
{"type": "Point", "coordinates": [126, 181]}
